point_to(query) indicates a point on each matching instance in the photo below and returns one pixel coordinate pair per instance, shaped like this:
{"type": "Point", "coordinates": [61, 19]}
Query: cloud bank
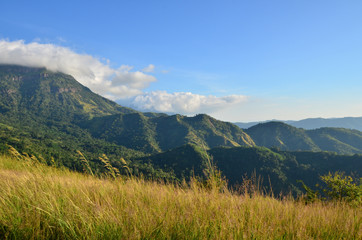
{"type": "Point", "coordinates": [183, 102]}
{"type": "Point", "coordinates": [122, 84]}
{"type": "Point", "coordinates": [89, 71]}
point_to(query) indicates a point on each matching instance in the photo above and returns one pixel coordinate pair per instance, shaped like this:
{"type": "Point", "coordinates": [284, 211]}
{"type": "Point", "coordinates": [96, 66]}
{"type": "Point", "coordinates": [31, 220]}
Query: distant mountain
{"type": "Point", "coordinates": [340, 140]}
{"type": "Point", "coordinates": [286, 137]}
{"type": "Point", "coordinates": [245, 125]}
{"type": "Point", "coordinates": [281, 135]}
{"type": "Point", "coordinates": [314, 123]}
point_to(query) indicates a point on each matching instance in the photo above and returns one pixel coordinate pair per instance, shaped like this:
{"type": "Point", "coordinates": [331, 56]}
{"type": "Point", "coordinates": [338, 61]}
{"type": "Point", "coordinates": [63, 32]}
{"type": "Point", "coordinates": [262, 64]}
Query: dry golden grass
{"type": "Point", "coordinates": [40, 202]}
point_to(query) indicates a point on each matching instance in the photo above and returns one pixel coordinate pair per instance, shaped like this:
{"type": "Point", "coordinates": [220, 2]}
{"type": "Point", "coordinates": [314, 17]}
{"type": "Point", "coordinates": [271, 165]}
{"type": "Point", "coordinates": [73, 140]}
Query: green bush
{"type": "Point", "coordinates": [340, 187]}
{"type": "Point", "coordinates": [336, 187]}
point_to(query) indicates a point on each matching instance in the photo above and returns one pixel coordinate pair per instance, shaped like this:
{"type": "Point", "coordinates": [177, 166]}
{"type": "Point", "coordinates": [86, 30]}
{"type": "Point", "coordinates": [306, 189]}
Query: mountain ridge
{"type": "Point", "coordinates": [314, 123]}
{"type": "Point", "coordinates": [37, 96]}
{"type": "Point", "coordinates": [287, 137]}
{"type": "Point", "coordinates": [37, 91]}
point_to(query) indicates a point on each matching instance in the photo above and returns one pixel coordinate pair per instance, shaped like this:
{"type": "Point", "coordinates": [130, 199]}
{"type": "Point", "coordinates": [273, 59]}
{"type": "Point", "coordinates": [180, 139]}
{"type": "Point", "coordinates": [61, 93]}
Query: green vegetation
{"type": "Point", "coordinates": [280, 170]}
{"type": "Point", "coordinates": [53, 117]}
{"type": "Point", "coordinates": [41, 102]}
{"type": "Point", "coordinates": [153, 135]}
{"type": "Point", "coordinates": [286, 137]}
{"type": "Point", "coordinates": [74, 165]}
{"type": "Point", "coordinates": [281, 135]}
{"type": "Point", "coordinates": [336, 187]}
{"type": "Point", "coordinates": [41, 202]}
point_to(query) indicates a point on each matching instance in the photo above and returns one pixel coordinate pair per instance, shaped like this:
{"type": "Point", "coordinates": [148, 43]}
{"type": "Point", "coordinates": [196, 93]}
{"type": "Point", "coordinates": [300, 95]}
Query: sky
{"type": "Point", "coordinates": [239, 61]}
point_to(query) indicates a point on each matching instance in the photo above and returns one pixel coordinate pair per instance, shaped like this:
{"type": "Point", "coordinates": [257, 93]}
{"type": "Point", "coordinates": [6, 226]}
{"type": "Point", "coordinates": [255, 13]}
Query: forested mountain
{"type": "Point", "coordinates": [314, 123]}
{"type": "Point", "coordinates": [286, 137]}
{"type": "Point", "coordinates": [166, 132]}
{"type": "Point", "coordinates": [51, 116]}
{"type": "Point", "coordinates": [281, 135]}
{"type": "Point", "coordinates": [45, 94]}
{"type": "Point", "coordinates": [48, 105]}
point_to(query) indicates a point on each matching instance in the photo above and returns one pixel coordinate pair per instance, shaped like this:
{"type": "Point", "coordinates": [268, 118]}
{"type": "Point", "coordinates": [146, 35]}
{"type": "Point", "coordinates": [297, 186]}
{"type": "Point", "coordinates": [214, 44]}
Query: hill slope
{"type": "Point", "coordinates": [40, 101]}
{"type": "Point", "coordinates": [286, 137]}
{"type": "Point", "coordinates": [50, 115]}
{"type": "Point", "coordinates": [55, 96]}
{"type": "Point", "coordinates": [40, 202]}
{"type": "Point", "coordinates": [166, 132]}
{"type": "Point", "coordinates": [279, 169]}
{"type": "Point", "coordinates": [314, 123]}
{"type": "Point", "coordinates": [281, 135]}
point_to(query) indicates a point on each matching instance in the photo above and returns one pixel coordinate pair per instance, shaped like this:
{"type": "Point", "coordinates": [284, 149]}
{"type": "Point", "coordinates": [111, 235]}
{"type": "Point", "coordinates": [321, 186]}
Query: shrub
{"type": "Point", "coordinates": [336, 187]}
{"type": "Point", "coordinates": [340, 187]}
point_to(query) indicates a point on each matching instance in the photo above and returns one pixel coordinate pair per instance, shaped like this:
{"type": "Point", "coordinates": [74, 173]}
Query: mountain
{"type": "Point", "coordinates": [281, 135]}
{"type": "Point", "coordinates": [314, 123]}
{"type": "Point", "coordinates": [42, 93]}
{"type": "Point", "coordinates": [43, 101]}
{"type": "Point", "coordinates": [51, 116]}
{"type": "Point", "coordinates": [45, 104]}
{"type": "Point", "coordinates": [245, 125]}
{"type": "Point", "coordinates": [287, 137]}
{"type": "Point", "coordinates": [166, 132]}
{"type": "Point", "coordinates": [340, 140]}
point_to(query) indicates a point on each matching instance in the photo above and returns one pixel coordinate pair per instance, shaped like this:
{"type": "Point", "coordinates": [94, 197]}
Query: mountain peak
{"type": "Point", "coordinates": [41, 92]}
{"type": "Point", "coordinates": [281, 135]}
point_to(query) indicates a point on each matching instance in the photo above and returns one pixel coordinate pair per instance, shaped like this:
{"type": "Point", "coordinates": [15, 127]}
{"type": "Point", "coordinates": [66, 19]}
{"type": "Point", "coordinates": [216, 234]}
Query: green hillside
{"type": "Point", "coordinates": [338, 140]}
{"type": "Point", "coordinates": [166, 132]}
{"type": "Point", "coordinates": [281, 135]}
{"type": "Point", "coordinates": [35, 96]}
{"type": "Point", "coordinates": [287, 137]}
{"type": "Point", "coordinates": [55, 96]}
{"type": "Point", "coordinates": [279, 170]}
{"type": "Point", "coordinates": [52, 116]}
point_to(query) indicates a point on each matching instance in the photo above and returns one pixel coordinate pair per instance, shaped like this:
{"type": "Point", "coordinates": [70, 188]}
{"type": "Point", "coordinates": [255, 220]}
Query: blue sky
{"type": "Point", "coordinates": [235, 60]}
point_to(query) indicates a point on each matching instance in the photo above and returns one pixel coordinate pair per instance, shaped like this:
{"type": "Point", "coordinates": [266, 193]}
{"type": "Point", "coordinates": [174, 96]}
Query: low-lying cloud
{"type": "Point", "coordinates": [121, 84]}
{"type": "Point", "coordinates": [89, 71]}
{"type": "Point", "coordinates": [183, 102]}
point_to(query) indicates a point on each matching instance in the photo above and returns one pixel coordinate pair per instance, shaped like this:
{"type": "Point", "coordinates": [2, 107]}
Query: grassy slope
{"type": "Point", "coordinates": [39, 202]}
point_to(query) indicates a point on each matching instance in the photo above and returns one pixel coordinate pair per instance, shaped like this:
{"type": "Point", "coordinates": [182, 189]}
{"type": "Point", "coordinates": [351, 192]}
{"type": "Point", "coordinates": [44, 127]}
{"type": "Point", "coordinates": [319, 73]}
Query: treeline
{"type": "Point", "coordinates": [277, 171]}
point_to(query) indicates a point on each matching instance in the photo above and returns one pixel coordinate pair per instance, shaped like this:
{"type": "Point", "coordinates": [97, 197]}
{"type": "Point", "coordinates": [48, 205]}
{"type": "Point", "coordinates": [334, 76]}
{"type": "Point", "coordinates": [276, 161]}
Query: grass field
{"type": "Point", "coordinates": [41, 202]}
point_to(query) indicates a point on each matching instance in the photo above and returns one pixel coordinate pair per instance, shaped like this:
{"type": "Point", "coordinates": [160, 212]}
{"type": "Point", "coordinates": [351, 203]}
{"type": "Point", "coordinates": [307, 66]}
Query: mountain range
{"type": "Point", "coordinates": [314, 123]}
{"type": "Point", "coordinates": [52, 116]}
{"type": "Point", "coordinates": [287, 137]}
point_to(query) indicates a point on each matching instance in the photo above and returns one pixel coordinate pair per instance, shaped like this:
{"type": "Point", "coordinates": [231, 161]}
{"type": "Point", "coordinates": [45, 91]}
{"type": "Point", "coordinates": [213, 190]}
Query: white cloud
{"type": "Point", "coordinates": [113, 83]}
{"type": "Point", "coordinates": [183, 102]}
{"type": "Point", "coordinates": [122, 84]}
{"type": "Point", "coordinates": [149, 68]}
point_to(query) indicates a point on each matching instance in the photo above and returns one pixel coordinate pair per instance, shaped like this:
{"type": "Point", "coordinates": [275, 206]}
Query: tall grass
{"type": "Point", "coordinates": [40, 202]}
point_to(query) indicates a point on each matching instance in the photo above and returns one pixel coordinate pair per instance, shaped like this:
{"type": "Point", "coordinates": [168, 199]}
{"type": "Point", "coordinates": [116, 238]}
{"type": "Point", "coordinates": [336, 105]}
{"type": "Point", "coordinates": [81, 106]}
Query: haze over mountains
{"type": "Point", "coordinates": [51, 115]}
